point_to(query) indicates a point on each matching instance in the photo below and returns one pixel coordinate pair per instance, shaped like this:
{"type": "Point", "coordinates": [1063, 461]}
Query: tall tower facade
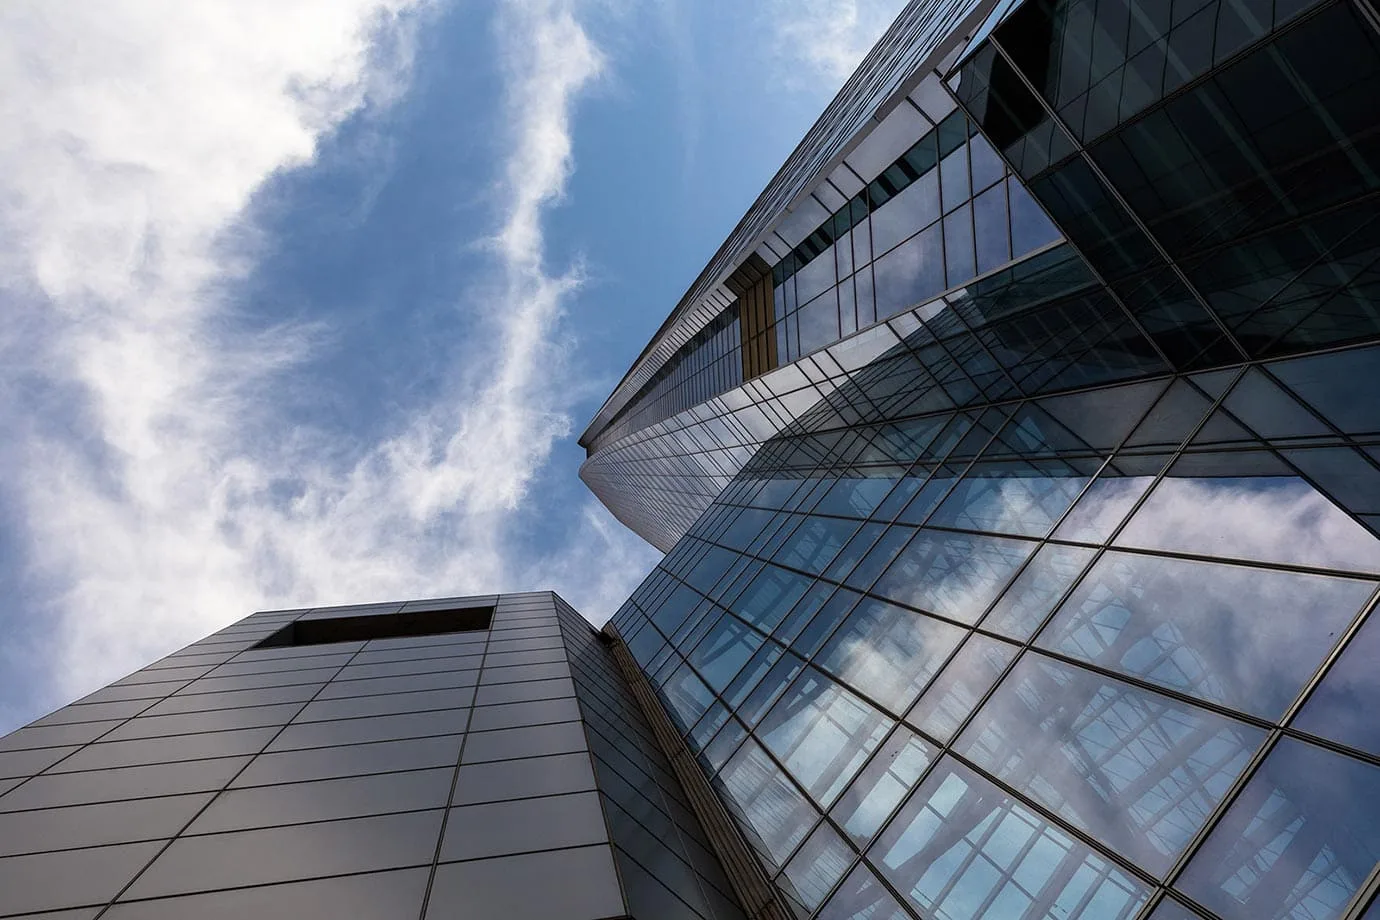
{"type": "Point", "coordinates": [1016, 464]}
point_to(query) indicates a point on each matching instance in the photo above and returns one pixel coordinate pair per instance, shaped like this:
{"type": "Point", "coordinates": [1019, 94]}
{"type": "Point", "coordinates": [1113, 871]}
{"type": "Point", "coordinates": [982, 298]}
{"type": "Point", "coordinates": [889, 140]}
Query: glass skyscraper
{"type": "Point", "coordinates": [1017, 464]}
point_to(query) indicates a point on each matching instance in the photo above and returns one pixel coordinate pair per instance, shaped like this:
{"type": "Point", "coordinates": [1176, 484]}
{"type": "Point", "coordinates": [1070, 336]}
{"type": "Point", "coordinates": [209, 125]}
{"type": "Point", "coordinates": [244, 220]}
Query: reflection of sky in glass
{"type": "Point", "coordinates": [1169, 909]}
{"type": "Point", "coordinates": [1136, 769]}
{"type": "Point", "coordinates": [770, 806]}
{"type": "Point", "coordinates": [1033, 594]}
{"type": "Point", "coordinates": [1343, 705]}
{"type": "Point", "coordinates": [953, 575]}
{"type": "Point", "coordinates": [882, 784]}
{"type": "Point", "coordinates": [961, 848]}
{"type": "Point", "coordinates": [1198, 627]}
{"type": "Point", "coordinates": [822, 733]}
{"type": "Point", "coordinates": [889, 652]}
{"type": "Point", "coordinates": [1260, 518]}
{"type": "Point", "coordinates": [818, 865]}
{"type": "Point", "coordinates": [964, 680]}
{"type": "Point", "coordinates": [1012, 498]}
{"type": "Point", "coordinates": [1297, 843]}
{"type": "Point", "coordinates": [862, 897]}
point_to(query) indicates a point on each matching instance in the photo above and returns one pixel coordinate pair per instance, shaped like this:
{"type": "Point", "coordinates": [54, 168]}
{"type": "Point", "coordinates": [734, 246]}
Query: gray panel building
{"type": "Point", "coordinates": [465, 757]}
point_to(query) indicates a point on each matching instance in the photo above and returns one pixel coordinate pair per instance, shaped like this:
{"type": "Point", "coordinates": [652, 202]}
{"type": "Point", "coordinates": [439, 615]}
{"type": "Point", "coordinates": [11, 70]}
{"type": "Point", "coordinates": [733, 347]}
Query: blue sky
{"type": "Point", "coordinates": [307, 302]}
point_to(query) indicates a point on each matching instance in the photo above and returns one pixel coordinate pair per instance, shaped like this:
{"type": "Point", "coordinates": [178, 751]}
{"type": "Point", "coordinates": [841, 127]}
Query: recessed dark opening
{"type": "Point", "coordinates": [385, 626]}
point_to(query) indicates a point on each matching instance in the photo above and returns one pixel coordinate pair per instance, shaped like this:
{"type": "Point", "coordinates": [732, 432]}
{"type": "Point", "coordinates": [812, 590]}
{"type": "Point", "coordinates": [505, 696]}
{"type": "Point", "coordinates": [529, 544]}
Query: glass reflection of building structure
{"type": "Point", "coordinates": [1016, 462]}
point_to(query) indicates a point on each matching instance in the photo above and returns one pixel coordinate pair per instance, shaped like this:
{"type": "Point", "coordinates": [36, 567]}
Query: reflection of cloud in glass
{"type": "Point", "coordinates": [1263, 518]}
{"type": "Point", "coordinates": [961, 848]}
{"type": "Point", "coordinates": [770, 807]}
{"type": "Point", "coordinates": [889, 653]}
{"type": "Point", "coordinates": [1102, 508]}
{"type": "Point", "coordinates": [1135, 769]}
{"type": "Point", "coordinates": [1298, 843]}
{"type": "Point", "coordinates": [953, 575]}
{"type": "Point", "coordinates": [964, 681]}
{"type": "Point", "coordinates": [1243, 637]}
{"type": "Point", "coordinates": [821, 733]}
{"type": "Point", "coordinates": [882, 784]}
{"type": "Point", "coordinates": [1343, 706]}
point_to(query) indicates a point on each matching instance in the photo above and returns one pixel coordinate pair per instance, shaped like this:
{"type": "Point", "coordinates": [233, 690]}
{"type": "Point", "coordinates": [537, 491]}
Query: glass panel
{"type": "Point", "coordinates": [705, 730]}
{"type": "Point", "coordinates": [958, 246]}
{"type": "Point", "coordinates": [1270, 411]}
{"type": "Point", "coordinates": [862, 897]}
{"type": "Point", "coordinates": [953, 172]}
{"type": "Point", "coordinates": [818, 865]}
{"type": "Point", "coordinates": [881, 785]}
{"type": "Point", "coordinates": [1328, 384]}
{"type": "Point", "coordinates": [770, 808]}
{"type": "Point", "coordinates": [770, 596]}
{"type": "Point", "coordinates": [1297, 843]}
{"type": "Point", "coordinates": [816, 276]}
{"type": "Point", "coordinates": [1031, 227]}
{"type": "Point", "coordinates": [953, 575]}
{"type": "Point", "coordinates": [815, 543]}
{"type": "Point", "coordinates": [1245, 638]}
{"type": "Point", "coordinates": [992, 233]}
{"type": "Point", "coordinates": [747, 678]}
{"type": "Point", "coordinates": [819, 322]}
{"type": "Point", "coordinates": [917, 206]}
{"type": "Point", "coordinates": [1111, 496]}
{"type": "Point", "coordinates": [963, 848]}
{"type": "Point", "coordinates": [770, 687]}
{"type": "Point", "coordinates": [706, 573]}
{"type": "Point", "coordinates": [1249, 505]}
{"type": "Point", "coordinates": [987, 166]}
{"type": "Point", "coordinates": [889, 653]}
{"type": "Point", "coordinates": [1169, 909]}
{"type": "Point", "coordinates": [1093, 421]}
{"type": "Point", "coordinates": [830, 615]}
{"type": "Point", "coordinates": [1018, 497]}
{"type": "Point", "coordinates": [822, 733]}
{"type": "Point", "coordinates": [1135, 769]}
{"type": "Point", "coordinates": [1176, 414]}
{"type": "Point", "coordinates": [880, 556]}
{"type": "Point", "coordinates": [928, 496]}
{"type": "Point", "coordinates": [717, 752]}
{"type": "Point", "coordinates": [809, 604]}
{"type": "Point", "coordinates": [1036, 590]}
{"type": "Point", "coordinates": [853, 551]}
{"type": "Point", "coordinates": [963, 683]}
{"type": "Point", "coordinates": [726, 649]}
{"type": "Point", "coordinates": [686, 697]}
{"type": "Point", "coordinates": [1343, 705]}
{"type": "Point", "coordinates": [854, 496]}
{"type": "Point", "coordinates": [910, 274]}
{"type": "Point", "coordinates": [1345, 475]}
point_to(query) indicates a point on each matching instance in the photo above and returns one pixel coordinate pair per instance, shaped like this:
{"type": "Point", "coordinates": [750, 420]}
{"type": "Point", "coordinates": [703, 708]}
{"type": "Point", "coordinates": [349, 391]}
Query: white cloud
{"type": "Point", "coordinates": [149, 459]}
{"type": "Point", "coordinates": [827, 37]}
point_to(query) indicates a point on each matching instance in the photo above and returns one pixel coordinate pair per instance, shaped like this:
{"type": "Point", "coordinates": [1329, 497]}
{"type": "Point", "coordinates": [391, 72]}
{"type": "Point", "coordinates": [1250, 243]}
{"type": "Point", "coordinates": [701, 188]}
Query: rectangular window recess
{"type": "Point", "coordinates": [380, 626]}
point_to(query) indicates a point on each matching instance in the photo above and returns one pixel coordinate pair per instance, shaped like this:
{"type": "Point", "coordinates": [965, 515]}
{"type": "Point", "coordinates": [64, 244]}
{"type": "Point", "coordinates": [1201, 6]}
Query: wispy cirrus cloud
{"type": "Point", "coordinates": [821, 42]}
{"type": "Point", "coordinates": [158, 486]}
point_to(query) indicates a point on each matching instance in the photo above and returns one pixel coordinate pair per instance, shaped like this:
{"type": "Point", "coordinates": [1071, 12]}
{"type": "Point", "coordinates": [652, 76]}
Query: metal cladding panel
{"type": "Point", "coordinates": [419, 759]}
